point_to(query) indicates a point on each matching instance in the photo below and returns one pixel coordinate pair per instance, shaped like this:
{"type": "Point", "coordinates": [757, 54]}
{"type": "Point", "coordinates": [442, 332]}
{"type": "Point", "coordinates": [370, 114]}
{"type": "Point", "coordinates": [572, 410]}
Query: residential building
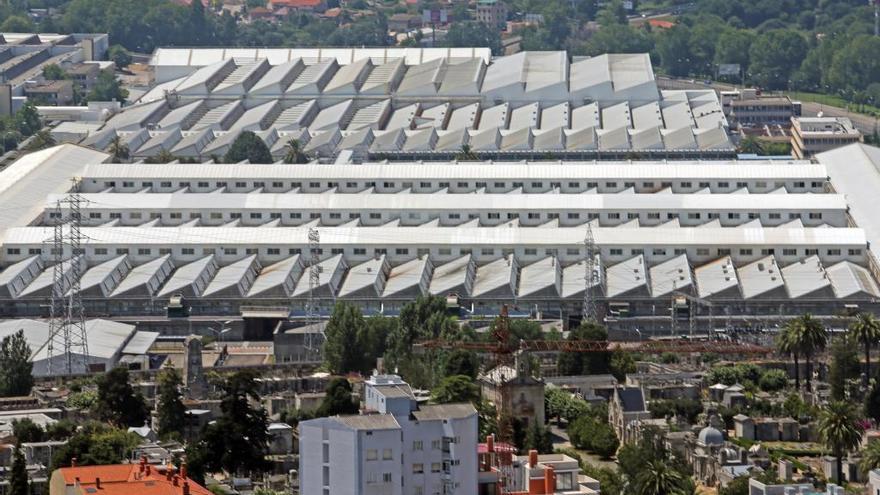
{"type": "Point", "coordinates": [532, 474]}
{"type": "Point", "coordinates": [141, 478]}
{"type": "Point", "coordinates": [747, 108]}
{"type": "Point", "coordinates": [874, 482]}
{"type": "Point", "coordinates": [85, 74]}
{"type": "Point", "coordinates": [316, 6]}
{"type": "Point", "coordinates": [626, 409]}
{"type": "Point", "coordinates": [394, 447]}
{"type": "Point", "coordinates": [403, 22]}
{"type": "Point", "coordinates": [758, 488]}
{"type": "Point", "coordinates": [492, 13]}
{"type": "Point", "coordinates": [811, 135]}
{"type": "Point", "coordinates": [54, 93]}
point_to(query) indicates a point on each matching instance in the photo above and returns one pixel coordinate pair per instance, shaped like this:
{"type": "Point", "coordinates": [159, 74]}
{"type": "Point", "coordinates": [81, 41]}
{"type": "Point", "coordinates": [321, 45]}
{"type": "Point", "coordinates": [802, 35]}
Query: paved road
{"type": "Point", "coordinates": [864, 123]}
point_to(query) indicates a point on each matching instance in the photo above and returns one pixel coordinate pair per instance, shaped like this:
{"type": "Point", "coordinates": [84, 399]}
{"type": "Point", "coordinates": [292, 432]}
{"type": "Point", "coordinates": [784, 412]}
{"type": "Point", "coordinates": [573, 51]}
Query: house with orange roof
{"type": "Point", "coordinates": [124, 479]}
{"type": "Point", "coordinates": [299, 5]}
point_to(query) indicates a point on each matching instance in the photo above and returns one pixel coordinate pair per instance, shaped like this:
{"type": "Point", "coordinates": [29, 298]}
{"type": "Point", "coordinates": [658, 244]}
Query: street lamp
{"type": "Point", "coordinates": [224, 329]}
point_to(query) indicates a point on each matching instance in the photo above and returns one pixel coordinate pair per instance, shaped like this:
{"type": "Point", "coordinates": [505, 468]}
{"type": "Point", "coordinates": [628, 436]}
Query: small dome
{"type": "Point", "coordinates": [710, 436]}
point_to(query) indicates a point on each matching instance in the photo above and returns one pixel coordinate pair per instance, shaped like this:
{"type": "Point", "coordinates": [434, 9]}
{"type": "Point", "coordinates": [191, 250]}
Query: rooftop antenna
{"type": "Point", "coordinates": [67, 326]}
{"type": "Point", "coordinates": [590, 277]}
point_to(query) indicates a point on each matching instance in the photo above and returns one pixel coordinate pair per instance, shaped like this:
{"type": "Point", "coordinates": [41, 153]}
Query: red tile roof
{"type": "Point", "coordinates": [295, 3]}
{"type": "Point", "coordinates": [129, 479]}
{"type": "Point", "coordinates": [659, 23]}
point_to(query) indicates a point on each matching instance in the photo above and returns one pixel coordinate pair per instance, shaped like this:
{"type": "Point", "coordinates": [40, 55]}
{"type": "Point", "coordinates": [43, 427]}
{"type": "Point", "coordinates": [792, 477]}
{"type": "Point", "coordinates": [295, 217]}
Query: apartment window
{"type": "Point", "coordinates": [386, 477]}
{"type": "Point", "coordinates": [436, 444]}
{"type": "Point", "coordinates": [418, 445]}
{"type": "Point", "coordinates": [230, 251]}
{"type": "Point", "coordinates": [564, 481]}
{"type": "Point", "coordinates": [372, 454]}
{"type": "Point", "coordinates": [401, 251]}
{"type": "Point", "coordinates": [435, 467]}
{"type": "Point", "coordinates": [855, 252]}
{"type": "Point", "coordinates": [386, 454]}
{"type": "Point", "coordinates": [745, 252]}
{"type": "Point", "coordinates": [418, 468]}
{"type": "Point", "coordinates": [615, 252]}
{"type": "Point", "coordinates": [487, 252]}
{"type": "Point", "coordinates": [144, 251]}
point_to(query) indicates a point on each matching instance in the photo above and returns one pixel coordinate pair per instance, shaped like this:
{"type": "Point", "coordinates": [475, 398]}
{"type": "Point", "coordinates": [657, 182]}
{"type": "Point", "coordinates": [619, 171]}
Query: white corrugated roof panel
{"type": "Point", "coordinates": [760, 278]}
{"type": "Point", "coordinates": [541, 277]}
{"type": "Point", "coordinates": [278, 278]}
{"type": "Point", "coordinates": [409, 278]}
{"type": "Point", "coordinates": [849, 280]}
{"type": "Point", "coordinates": [716, 278]}
{"type": "Point", "coordinates": [365, 280]}
{"type": "Point", "coordinates": [670, 276]}
{"type": "Point", "coordinates": [806, 277]}
{"type": "Point", "coordinates": [626, 277]}
{"type": "Point", "coordinates": [455, 275]}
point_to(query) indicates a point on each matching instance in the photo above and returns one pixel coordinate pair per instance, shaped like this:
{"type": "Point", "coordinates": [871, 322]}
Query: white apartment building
{"type": "Point", "coordinates": [394, 447]}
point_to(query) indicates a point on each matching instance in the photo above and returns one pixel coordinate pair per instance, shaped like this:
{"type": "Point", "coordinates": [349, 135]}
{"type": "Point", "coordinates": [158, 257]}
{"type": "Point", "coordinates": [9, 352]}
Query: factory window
{"type": "Point", "coordinates": [531, 252]}
{"type": "Point", "coordinates": [659, 252]}
{"type": "Point", "coordinates": [273, 251]}
{"type": "Point", "coordinates": [256, 216]}
{"type": "Point", "coordinates": [550, 251]}
{"type": "Point", "coordinates": [54, 214]}
{"type": "Point", "coordinates": [815, 184]}
{"type": "Point", "coordinates": [745, 252]}
{"type": "Point", "coordinates": [146, 184]}
{"type": "Point", "coordinates": [615, 252]}
{"type": "Point", "coordinates": [702, 252]}
{"type": "Point", "coordinates": [128, 184]}
{"type": "Point", "coordinates": [852, 252]}
{"type": "Point", "coordinates": [723, 251]}
{"type": "Point", "coordinates": [230, 251]}
{"type": "Point", "coordinates": [815, 216]}
{"type": "Point", "coordinates": [703, 184]}
{"type": "Point", "coordinates": [452, 216]}
{"type": "Point", "coordinates": [143, 251]}
{"type": "Point", "coordinates": [574, 185]}
{"type": "Point", "coordinates": [443, 184]}
{"type": "Point", "coordinates": [611, 185]}
{"type": "Point", "coordinates": [235, 215]}
{"type": "Point", "coordinates": [294, 185]}
{"type": "Point", "coordinates": [259, 184]}
{"type": "Point", "coordinates": [165, 184]}
{"type": "Point", "coordinates": [768, 252]}
{"type": "Point", "coordinates": [670, 216]}
{"type": "Point", "coordinates": [203, 184]}
{"type": "Point", "coordinates": [110, 183]}
{"type": "Point", "coordinates": [629, 184]}
{"type": "Point", "coordinates": [537, 184]}
{"type": "Point", "coordinates": [799, 184]}
{"type": "Point", "coordinates": [679, 251]}
{"type": "Point", "coordinates": [401, 251]}
{"type": "Point", "coordinates": [216, 216]}
{"type": "Point", "coordinates": [135, 215]}
{"type": "Point", "coordinates": [713, 215]}
{"type": "Point", "coordinates": [789, 252]}
{"type": "Point", "coordinates": [552, 216]}
{"type": "Point", "coordinates": [834, 252]}
{"type": "Point", "coordinates": [686, 185]}
{"type": "Point", "coordinates": [164, 251]}
{"type": "Point", "coordinates": [654, 215]}
{"type": "Point", "coordinates": [666, 185]}
{"type": "Point", "coordinates": [274, 215]}
{"type": "Point", "coordinates": [155, 215]}
{"type": "Point", "coordinates": [494, 216]}
{"type": "Point", "coordinates": [517, 184]}
{"type": "Point", "coordinates": [13, 251]}
{"type": "Point", "coordinates": [741, 185]}
{"type": "Point", "coordinates": [314, 216]}
{"type": "Point", "coordinates": [632, 216]}
{"type": "Point", "coordinates": [534, 216]}
{"type": "Point", "coordinates": [277, 184]}
{"type": "Point", "coordinates": [511, 216]}
{"type": "Point", "coordinates": [294, 251]}
{"type": "Point", "coordinates": [647, 184]}
{"type": "Point", "coordinates": [487, 252]}
{"type": "Point", "coordinates": [637, 251]}
{"type": "Point", "coordinates": [591, 185]}
{"type": "Point", "coordinates": [251, 251]}
{"type": "Point", "coordinates": [811, 252]}
{"type": "Point", "coordinates": [94, 214]}
{"type": "Point", "coordinates": [221, 183]}
{"type": "Point", "coordinates": [723, 185]}
{"type": "Point", "coordinates": [463, 184]}
{"type": "Point", "coordinates": [425, 185]}
{"type": "Point", "coordinates": [40, 251]}
{"type": "Point", "coordinates": [693, 216]}
{"type": "Point", "coordinates": [121, 251]}
{"type": "Point", "coordinates": [444, 251]}
{"type": "Point", "coordinates": [336, 251]}
{"type": "Point", "coordinates": [370, 183]}
{"type": "Point", "coordinates": [175, 215]}
{"type": "Point", "coordinates": [753, 215]}
{"type": "Point", "coordinates": [187, 251]}
{"type": "Point", "coordinates": [375, 216]}
{"type": "Point", "coordinates": [295, 215]}
{"type": "Point", "coordinates": [336, 216]}
{"type": "Point", "coordinates": [614, 216]}
{"type": "Point", "coordinates": [314, 185]}
{"type": "Point", "coordinates": [332, 184]}
{"type": "Point", "coordinates": [388, 185]}
{"type": "Point", "coordinates": [774, 216]}
{"type": "Point", "coordinates": [573, 252]}
{"type": "Point", "coordinates": [733, 216]}
{"type": "Point", "coordinates": [380, 251]}
{"type": "Point", "coordinates": [464, 251]}
{"type": "Point", "coordinates": [360, 251]}
{"type": "Point", "coordinates": [574, 216]}
{"type": "Point", "coordinates": [794, 216]}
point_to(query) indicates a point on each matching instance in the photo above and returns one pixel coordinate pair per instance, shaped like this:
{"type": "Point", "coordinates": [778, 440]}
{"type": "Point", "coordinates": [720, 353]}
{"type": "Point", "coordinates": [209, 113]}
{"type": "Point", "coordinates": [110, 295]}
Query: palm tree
{"type": "Point", "coordinates": [164, 156]}
{"type": "Point", "coordinates": [659, 479]}
{"type": "Point", "coordinates": [119, 150]}
{"type": "Point", "coordinates": [866, 328]}
{"type": "Point", "coordinates": [466, 153]}
{"type": "Point", "coordinates": [786, 341]}
{"type": "Point", "coordinates": [295, 153]}
{"type": "Point", "coordinates": [807, 335]}
{"type": "Point", "coordinates": [839, 431]}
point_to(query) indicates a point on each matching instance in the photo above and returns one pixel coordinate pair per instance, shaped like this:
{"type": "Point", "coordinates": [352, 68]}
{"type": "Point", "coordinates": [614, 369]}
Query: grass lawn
{"type": "Point", "coordinates": [835, 101]}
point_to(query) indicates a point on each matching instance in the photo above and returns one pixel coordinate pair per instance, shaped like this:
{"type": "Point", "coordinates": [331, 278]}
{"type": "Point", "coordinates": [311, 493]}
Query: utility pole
{"type": "Point", "coordinates": [67, 326]}
{"type": "Point", "coordinates": [589, 311]}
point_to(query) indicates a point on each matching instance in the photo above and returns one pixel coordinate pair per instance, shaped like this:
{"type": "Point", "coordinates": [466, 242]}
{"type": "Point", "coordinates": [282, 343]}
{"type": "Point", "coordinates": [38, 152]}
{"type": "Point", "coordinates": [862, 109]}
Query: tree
{"type": "Point", "coordinates": [342, 330]}
{"type": "Point", "coordinates": [96, 444]}
{"type": "Point", "coordinates": [844, 366]}
{"type": "Point", "coordinates": [456, 388]}
{"type": "Point", "coordinates": [17, 24]}
{"type": "Point", "coordinates": [674, 48]}
{"type": "Point", "coordinates": [294, 152]}
{"type": "Point", "coordinates": [164, 156]}
{"type": "Point", "coordinates": [27, 119]}
{"type": "Point", "coordinates": [19, 484]}
{"type": "Point", "coordinates": [605, 442]}
{"type": "Point", "coordinates": [471, 33]}
{"type": "Point", "coordinates": [581, 363]}
{"type": "Point", "coordinates": [53, 72]}
{"type": "Point", "coordinates": [107, 88]}
{"type": "Point", "coordinates": [461, 362]}
{"type": "Point", "coordinates": [538, 438]}
{"type": "Point", "coordinates": [248, 146]}
{"type": "Point", "coordinates": [658, 478]}
{"type": "Point", "coordinates": [739, 486]}
{"type": "Point", "coordinates": [866, 329]}
{"type": "Point", "coordinates": [41, 140]}
{"type": "Point", "coordinates": [169, 405]}
{"type": "Point", "coordinates": [839, 431]}
{"type": "Point", "coordinates": [775, 55]}
{"type": "Point", "coordinates": [466, 154]}
{"type": "Point", "coordinates": [621, 364]}
{"type": "Point", "coordinates": [593, 434]}
{"type": "Point", "coordinates": [15, 366]}
{"type": "Point", "coordinates": [119, 150]}
{"type": "Point", "coordinates": [25, 431]}
{"type": "Point", "coordinates": [119, 55]}
{"type": "Point", "coordinates": [870, 457]}
{"type": "Point", "coordinates": [118, 403]}
{"type": "Point", "coordinates": [337, 399]}
{"type": "Point", "coordinates": [237, 441]}
{"type": "Point", "coordinates": [773, 380]}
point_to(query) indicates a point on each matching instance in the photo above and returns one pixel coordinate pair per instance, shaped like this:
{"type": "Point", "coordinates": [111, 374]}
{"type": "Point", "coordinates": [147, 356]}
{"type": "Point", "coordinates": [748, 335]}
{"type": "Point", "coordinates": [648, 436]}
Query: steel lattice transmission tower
{"type": "Point", "coordinates": [67, 325]}
{"type": "Point", "coordinates": [312, 313]}
{"type": "Point", "coordinates": [589, 311]}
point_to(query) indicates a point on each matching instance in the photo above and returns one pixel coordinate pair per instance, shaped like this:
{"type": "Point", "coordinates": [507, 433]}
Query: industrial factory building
{"type": "Point", "coordinates": [745, 241]}
{"type": "Point", "coordinates": [416, 103]}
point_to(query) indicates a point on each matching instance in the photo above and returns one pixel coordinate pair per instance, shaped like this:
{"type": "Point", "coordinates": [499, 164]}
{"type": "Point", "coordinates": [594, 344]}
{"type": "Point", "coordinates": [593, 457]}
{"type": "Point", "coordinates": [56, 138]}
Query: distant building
{"type": "Point", "coordinates": [758, 488]}
{"type": "Point", "coordinates": [747, 108]}
{"type": "Point", "coordinates": [141, 479]}
{"type": "Point", "coordinates": [626, 409]}
{"type": "Point", "coordinates": [492, 13]}
{"type": "Point", "coordinates": [54, 93]}
{"type": "Point", "coordinates": [811, 135]}
{"type": "Point", "coordinates": [403, 22]}
{"type": "Point", "coordinates": [396, 447]}
{"type": "Point", "coordinates": [524, 393]}
{"type": "Point", "coordinates": [317, 6]}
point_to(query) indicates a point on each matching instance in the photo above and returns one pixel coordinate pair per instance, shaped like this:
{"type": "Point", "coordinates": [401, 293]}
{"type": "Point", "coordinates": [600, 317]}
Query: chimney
{"type": "Point", "coordinates": [169, 471]}
{"type": "Point", "coordinates": [490, 443]}
{"type": "Point", "coordinates": [73, 462]}
{"type": "Point", "coordinates": [98, 483]}
{"type": "Point", "coordinates": [147, 470]}
{"type": "Point", "coordinates": [549, 480]}
{"type": "Point", "coordinates": [533, 458]}
{"type": "Point", "coordinates": [186, 488]}
{"type": "Point", "coordinates": [175, 480]}
{"type": "Point", "coordinates": [183, 469]}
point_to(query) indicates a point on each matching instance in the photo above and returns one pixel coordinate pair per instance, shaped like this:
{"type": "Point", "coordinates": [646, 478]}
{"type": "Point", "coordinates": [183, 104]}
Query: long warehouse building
{"type": "Point", "coordinates": [746, 240]}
